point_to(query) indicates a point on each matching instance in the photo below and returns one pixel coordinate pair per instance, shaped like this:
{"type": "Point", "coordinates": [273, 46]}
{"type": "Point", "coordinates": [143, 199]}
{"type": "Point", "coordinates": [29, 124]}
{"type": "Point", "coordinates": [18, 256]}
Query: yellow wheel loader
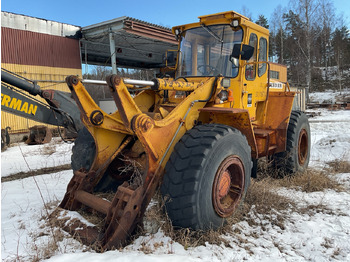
{"type": "Point", "coordinates": [196, 136]}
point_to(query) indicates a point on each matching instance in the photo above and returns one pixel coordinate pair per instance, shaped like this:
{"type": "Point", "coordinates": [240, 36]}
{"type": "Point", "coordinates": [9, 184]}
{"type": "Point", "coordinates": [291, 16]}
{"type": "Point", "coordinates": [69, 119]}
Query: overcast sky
{"type": "Point", "coordinates": [162, 12]}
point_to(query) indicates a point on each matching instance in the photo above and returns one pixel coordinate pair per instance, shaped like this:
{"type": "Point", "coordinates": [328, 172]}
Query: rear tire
{"type": "Point", "coordinates": [297, 155]}
{"type": "Point", "coordinates": [206, 176]}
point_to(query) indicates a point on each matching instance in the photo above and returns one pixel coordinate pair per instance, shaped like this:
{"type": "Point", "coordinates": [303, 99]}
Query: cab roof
{"type": "Point", "coordinates": [223, 18]}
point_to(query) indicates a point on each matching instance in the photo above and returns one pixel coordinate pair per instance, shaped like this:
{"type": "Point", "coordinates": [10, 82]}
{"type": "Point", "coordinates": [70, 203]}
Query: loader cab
{"type": "Point", "coordinates": [231, 47]}
{"type": "Point", "coordinates": [206, 51]}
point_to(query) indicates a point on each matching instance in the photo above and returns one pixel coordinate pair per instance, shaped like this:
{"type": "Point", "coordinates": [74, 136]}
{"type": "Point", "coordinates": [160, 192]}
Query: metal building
{"type": "Point", "coordinates": [41, 50]}
{"type": "Point", "coordinates": [48, 51]}
{"type": "Point", "coordinates": [126, 42]}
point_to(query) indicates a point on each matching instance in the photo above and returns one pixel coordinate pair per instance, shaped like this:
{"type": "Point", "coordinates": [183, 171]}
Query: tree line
{"type": "Point", "coordinates": [310, 38]}
{"type": "Point", "coordinates": [313, 41]}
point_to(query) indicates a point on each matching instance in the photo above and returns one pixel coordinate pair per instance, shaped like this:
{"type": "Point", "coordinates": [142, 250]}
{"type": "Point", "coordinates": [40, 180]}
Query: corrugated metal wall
{"type": "Point", "coordinates": [45, 58]}
{"type": "Point", "coordinates": [30, 48]}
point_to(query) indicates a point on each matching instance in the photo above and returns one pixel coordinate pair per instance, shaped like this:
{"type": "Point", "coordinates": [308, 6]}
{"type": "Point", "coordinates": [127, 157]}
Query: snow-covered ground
{"type": "Point", "coordinates": [24, 158]}
{"type": "Point", "coordinates": [330, 136]}
{"type": "Point", "coordinates": [318, 235]}
{"type": "Point", "coordinates": [330, 96]}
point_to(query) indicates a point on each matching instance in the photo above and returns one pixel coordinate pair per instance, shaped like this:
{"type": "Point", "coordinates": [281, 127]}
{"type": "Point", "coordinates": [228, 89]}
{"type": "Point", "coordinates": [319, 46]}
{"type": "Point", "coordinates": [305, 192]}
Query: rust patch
{"type": "Point", "coordinates": [303, 146]}
{"type": "Point", "coordinates": [96, 117]}
{"type": "Point", "coordinates": [120, 215]}
{"type": "Point", "coordinates": [228, 186]}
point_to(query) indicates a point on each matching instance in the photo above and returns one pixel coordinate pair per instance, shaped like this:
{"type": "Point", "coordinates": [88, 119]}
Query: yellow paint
{"type": "Point", "coordinates": [224, 18]}
{"type": "Point", "coordinates": [16, 104]}
{"type": "Point", "coordinates": [282, 71]}
{"type": "Point", "coordinates": [249, 94]}
{"type": "Point", "coordinates": [5, 100]}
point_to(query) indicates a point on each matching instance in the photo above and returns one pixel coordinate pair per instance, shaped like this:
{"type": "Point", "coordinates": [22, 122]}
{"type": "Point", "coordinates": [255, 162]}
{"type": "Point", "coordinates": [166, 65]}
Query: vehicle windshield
{"type": "Point", "coordinates": [206, 50]}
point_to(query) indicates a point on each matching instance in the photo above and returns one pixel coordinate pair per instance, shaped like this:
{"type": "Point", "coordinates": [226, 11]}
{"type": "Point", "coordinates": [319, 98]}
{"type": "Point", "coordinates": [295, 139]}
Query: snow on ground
{"type": "Point", "coordinates": [24, 158]}
{"type": "Point", "coordinates": [329, 97]}
{"type": "Point", "coordinates": [330, 136]}
{"type": "Point", "coordinates": [322, 234]}
{"type": "Point", "coordinates": [23, 214]}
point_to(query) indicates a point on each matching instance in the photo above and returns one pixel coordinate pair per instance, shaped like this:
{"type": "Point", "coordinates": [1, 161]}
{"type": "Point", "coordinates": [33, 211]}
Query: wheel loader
{"type": "Point", "coordinates": [196, 136]}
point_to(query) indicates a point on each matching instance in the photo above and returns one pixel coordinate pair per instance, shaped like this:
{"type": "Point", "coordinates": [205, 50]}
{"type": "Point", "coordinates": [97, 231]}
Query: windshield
{"type": "Point", "coordinates": [206, 50]}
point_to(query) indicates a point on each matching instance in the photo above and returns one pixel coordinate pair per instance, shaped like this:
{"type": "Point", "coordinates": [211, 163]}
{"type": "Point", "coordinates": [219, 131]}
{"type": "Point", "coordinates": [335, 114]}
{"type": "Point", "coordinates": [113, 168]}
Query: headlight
{"type": "Point", "coordinates": [226, 82]}
{"type": "Point", "coordinates": [234, 23]}
{"type": "Point", "coordinates": [223, 95]}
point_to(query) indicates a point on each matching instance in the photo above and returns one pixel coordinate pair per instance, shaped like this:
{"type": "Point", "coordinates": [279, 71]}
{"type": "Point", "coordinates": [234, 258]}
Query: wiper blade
{"type": "Point", "coordinates": [212, 33]}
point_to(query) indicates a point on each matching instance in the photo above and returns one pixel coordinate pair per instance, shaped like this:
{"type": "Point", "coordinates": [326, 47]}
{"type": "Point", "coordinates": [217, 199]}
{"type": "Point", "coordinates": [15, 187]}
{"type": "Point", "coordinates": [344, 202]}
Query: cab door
{"type": "Point", "coordinates": [255, 76]}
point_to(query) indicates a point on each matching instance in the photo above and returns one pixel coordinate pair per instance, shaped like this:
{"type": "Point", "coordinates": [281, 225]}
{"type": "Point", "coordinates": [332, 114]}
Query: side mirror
{"type": "Point", "coordinates": [245, 54]}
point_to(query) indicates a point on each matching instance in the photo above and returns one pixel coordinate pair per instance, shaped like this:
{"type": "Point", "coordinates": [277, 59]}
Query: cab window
{"type": "Point", "coordinates": [250, 70]}
{"type": "Point", "coordinates": [262, 56]}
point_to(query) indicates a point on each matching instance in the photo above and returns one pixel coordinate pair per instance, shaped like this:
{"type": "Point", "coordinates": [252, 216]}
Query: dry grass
{"type": "Point", "coordinates": [310, 181]}
{"type": "Point", "coordinates": [339, 166]}
{"type": "Point", "coordinates": [46, 240]}
{"type": "Point", "coordinates": [134, 168]}
{"type": "Point", "coordinates": [262, 203]}
{"type": "Point", "coordinates": [155, 218]}
{"type": "Point", "coordinates": [42, 171]}
{"type": "Point", "coordinates": [262, 207]}
{"type": "Point", "coordinates": [267, 203]}
{"type": "Point", "coordinates": [49, 247]}
{"type": "Point", "coordinates": [265, 200]}
{"type": "Point", "coordinates": [92, 216]}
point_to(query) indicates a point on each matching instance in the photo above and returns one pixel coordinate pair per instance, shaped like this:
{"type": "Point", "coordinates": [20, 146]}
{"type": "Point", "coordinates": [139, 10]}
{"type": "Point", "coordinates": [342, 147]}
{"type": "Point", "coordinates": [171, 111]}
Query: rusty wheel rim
{"type": "Point", "coordinates": [228, 186]}
{"type": "Point", "coordinates": [303, 146]}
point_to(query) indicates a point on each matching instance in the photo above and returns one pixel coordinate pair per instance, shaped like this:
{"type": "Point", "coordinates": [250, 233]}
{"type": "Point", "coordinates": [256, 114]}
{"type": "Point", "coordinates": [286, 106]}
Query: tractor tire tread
{"type": "Point", "coordinates": [183, 171]}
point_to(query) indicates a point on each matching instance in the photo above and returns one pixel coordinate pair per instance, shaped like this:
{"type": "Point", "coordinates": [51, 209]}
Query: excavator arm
{"type": "Point", "coordinates": [18, 97]}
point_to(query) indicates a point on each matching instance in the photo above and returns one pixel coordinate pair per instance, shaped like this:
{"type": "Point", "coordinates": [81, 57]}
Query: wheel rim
{"type": "Point", "coordinates": [303, 145]}
{"type": "Point", "coordinates": [228, 186]}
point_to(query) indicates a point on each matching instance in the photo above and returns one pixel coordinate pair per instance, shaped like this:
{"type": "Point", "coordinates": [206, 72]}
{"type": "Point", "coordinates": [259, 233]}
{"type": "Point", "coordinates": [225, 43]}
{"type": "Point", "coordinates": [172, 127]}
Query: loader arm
{"type": "Point", "coordinates": [112, 133]}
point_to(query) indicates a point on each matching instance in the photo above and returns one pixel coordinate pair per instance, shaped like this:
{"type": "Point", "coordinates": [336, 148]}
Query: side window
{"type": "Point", "coordinates": [250, 70]}
{"type": "Point", "coordinates": [275, 74]}
{"type": "Point", "coordinates": [262, 56]}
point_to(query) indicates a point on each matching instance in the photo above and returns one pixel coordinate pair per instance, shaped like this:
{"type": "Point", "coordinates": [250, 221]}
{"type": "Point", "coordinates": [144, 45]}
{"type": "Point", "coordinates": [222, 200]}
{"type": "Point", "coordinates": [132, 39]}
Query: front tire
{"type": "Point", "coordinates": [206, 176]}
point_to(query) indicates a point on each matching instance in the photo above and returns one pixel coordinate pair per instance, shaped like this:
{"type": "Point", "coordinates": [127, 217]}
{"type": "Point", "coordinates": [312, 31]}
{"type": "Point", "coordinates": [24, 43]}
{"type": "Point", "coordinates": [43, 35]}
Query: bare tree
{"type": "Point", "coordinates": [277, 35]}
{"type": "Point", "coordinates": [341, 51]}
{"type": "Point", "coordinates": [245, 11]}
{"type": "Point", "coordinates": [326, 20]}
{"type": "Point", "coordinates": [307, 12]}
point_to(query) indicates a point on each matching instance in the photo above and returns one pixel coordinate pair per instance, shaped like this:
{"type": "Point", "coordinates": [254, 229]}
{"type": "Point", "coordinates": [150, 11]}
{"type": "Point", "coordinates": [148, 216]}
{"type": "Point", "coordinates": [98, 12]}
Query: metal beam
{"type": "Point", "coordinates": [113, 55]}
